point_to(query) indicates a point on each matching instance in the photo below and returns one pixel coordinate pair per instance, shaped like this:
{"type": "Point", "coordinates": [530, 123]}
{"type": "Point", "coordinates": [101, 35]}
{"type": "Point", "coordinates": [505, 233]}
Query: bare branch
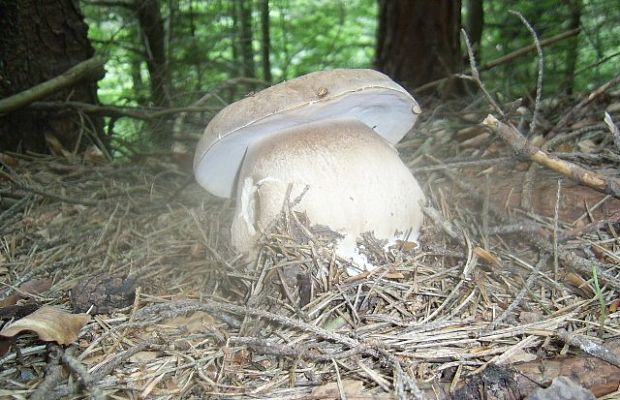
{"type": "Point", "coordinates": [68, 78]}
{"type": "Point", "coordinates": [510, 135]}
{"type": "Point", "coordinates": [541, 68]}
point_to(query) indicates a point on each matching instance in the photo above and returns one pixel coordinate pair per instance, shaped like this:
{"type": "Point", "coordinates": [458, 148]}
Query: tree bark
{"type": "Point", "coordinates": [265, 40]}
{"type": "Point", "coordinates": [475, 25]}
{"type": "Point", "coordinates": [40, 40]}
{"type": "Point", "coordinates": [154, 39]}
{"type": "Point", "coordinates": [572, 52]}
{"type": "Point", "coordinates": [152, 26]}
{"type": "Point", "coordinates": [418, 40]}
{"type": "Point", "coordinates": [244, 19]}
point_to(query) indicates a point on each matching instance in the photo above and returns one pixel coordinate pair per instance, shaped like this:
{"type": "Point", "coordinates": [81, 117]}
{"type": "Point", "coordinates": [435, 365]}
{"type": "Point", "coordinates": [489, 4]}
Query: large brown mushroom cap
{"type": "Point", "coordinates": [365, 95]}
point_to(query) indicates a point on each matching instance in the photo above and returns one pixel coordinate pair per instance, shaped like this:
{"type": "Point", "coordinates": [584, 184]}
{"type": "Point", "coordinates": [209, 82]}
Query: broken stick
{"type": "Point", "coordinates": [510, 134]}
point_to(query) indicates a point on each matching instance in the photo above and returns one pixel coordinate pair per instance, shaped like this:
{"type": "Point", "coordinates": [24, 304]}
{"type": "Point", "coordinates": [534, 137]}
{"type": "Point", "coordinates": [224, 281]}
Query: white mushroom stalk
{"type": "Point", "coordinates": [329, 131]}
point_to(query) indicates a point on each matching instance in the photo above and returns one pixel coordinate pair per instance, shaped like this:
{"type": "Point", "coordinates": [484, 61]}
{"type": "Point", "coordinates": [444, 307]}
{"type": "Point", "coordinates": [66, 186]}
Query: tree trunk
{"type": "Point", "coordinates": [153, 37]}
{"type": "Point", "coordinates": [152, 26]}
{"type": "Point", "coordinates": [40, 40]}
{"type": "Point", "coordinates": [475, 25]}
{"type": "Point", "coordinates": [572, 52]}
{"type": "Point", "coordinates": [244, 9]}
{"type": "Point", "coordinates": [265, 40]}
{"type": "Point", "coordinates": [418, 40]}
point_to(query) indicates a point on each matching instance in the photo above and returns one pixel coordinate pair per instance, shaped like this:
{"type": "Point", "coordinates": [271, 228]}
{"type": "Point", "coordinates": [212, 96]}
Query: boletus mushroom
{"type": "Point", "coordinates": [330, 134]}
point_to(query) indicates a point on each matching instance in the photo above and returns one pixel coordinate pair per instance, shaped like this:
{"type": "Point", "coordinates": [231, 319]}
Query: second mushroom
{"type": "Point", "coordinates": [330, 133]}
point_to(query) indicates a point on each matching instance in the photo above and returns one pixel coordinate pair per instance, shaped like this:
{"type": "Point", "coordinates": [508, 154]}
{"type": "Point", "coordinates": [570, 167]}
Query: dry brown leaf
{"type": "Point", "coordinates": [488, 257]}
{"type": "Point", "coordinates": [50, 324]}
{"type": "Point", "coordinates": [407, 246]}
{"type": "Point", "coordinates": [614, 306]}
{"type": "Point", "coordinates": [197, 322]}
{"type": "Point", "coordinates": [394, 275]}
{"type": "Point", "coordinates": [55, 146]}
{"type": "Point", "coordinates": [520, 356]}
{"type": "Point", "coordinates": [198, 251]}
{"type": "Point", "coordinates": [94, 155]}
{"type": "Point", "coordinates": [36, 286]}
{"type": "Point", "coordinates": [143, 356]}
{"type": "Point", "coordinates": [352, 389]}
{"type": "Point", "coordinates": [582, 286]}
{"type": "Point", "coordinates": [9, 160]}
{"type": "Point", "coordinates": [32, 287]}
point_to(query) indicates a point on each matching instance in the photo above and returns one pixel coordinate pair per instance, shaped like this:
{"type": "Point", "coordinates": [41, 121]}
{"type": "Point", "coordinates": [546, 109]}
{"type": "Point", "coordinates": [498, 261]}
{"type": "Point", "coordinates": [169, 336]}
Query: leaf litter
{"type": "Point", "coordinates": [505, 273]}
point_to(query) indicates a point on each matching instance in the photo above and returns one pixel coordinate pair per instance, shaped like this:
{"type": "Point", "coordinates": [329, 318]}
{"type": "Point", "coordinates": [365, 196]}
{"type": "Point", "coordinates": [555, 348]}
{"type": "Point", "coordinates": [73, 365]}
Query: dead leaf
{"type": "Point", "coordinates": [198, 251]}
{"type": "Point", "coordinates": [488, 257]}
{"type": "Point", "coordinates": [529, 317]}
{"type": "Point", "coordinates": [407, 246]}
{"type": "Point", "coordinates": [55, 146]}
{"type": "Point", "coordinates": [9, 160]}
{"type": "Point", "coordinates": [614, 306]}
{"type": "Point", "coordinates": [94, 155]}
{"type": "Point", "coordinates": [582, 286]}
{"type": "Point", "coordinates": [352, 389]}
{"type": "Point", "coordinates": [586, 146]}
{"type": "Point", "coordinates": [50, 324]}
{"type": "Point", "coordinates": [197, 322]}
{"type": "Point", "coordinates": [143, 356]}
{"type": "Point", "coordinates": [521, 356]}
{"type": "Point", "coordinates": [32, 287]}
{"type": "Point", "coordinates": [36, 286]}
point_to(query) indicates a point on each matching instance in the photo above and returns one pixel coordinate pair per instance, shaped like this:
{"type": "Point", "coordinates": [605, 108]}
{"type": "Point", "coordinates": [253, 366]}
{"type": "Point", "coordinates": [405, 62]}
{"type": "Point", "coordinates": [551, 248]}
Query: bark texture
{"type": "Point", "coordinates": [40, 39]}
{"type": "Point", "coordinates": [418, 40]}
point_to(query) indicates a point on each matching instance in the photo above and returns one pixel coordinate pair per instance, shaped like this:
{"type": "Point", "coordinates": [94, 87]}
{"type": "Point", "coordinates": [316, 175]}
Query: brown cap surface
{"type": "Point", "coordinates": [366, 95]}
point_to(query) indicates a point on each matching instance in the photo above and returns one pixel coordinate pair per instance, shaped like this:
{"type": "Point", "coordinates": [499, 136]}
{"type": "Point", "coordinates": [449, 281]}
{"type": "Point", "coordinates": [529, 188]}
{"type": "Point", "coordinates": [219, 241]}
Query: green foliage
{"type": "Point", "coordinates": [595, 53]}
{"type": "Point", "coordinates": [309, 35]}
{"type": "Point", "coordinates": [306, 35]}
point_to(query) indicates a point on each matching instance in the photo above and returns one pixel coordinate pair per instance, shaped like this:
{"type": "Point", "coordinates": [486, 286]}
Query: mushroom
{"type": "Point", "coordinates": [332, 132]}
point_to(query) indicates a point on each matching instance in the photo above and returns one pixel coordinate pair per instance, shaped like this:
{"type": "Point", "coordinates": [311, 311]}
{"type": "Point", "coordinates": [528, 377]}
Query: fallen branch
{"type": "Point", "coordinates": [573, 111]}
{"type": "Point", "coordinates": [141, 113]}
{"type": "Point", "coordinates": [90, 67]}
{"type": "Point", "coordinates": [590, 347]}
{"type": "Point", "coordinates": [521, 146]}
{"type": "Point", "coordinates": [507, 58]}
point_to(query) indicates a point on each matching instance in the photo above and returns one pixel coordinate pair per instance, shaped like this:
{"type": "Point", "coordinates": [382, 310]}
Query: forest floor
{"type": "Point", "coordinates": [515, 280]}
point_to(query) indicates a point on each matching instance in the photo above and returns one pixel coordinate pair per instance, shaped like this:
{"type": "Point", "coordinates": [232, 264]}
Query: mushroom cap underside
{"type": "Point", "coordinates": [366, 95]}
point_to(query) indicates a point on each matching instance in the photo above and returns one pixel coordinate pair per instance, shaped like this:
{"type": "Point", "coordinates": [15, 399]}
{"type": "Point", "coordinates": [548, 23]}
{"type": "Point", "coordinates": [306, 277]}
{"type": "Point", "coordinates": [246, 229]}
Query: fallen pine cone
{"type": "Point", "coordinates": [104, 293]}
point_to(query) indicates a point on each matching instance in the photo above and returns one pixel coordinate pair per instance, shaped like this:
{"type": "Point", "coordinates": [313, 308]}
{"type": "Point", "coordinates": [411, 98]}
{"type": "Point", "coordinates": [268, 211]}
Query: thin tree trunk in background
{"type": "Point", "coordinates": [475, 25]}
{"type": "Point", "coordinates": [39, 41]}
{"type": "Point", "coordinates": [170, 21]}
{"type": "Point", "coordinates": [136, 70]}
{"type": "Point", "coordinates": [573, 46]}
{"type": "Point", "coordinates": [418, 40]}
{"type": "Point", "coordinates": [153, 37]}
{"type": "Point", "coordinates": [152, 26]}
{"type": "Point", "coordinates": [244, 20]}
{"type": "Point", "coordinates": [265, 39]}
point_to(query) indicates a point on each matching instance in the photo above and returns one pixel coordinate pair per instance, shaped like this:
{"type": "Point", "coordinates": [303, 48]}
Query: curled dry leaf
{"type": "Point", "coordinates": [32, 287]}
{"type": "Point", "coordinates": [50, 324]}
